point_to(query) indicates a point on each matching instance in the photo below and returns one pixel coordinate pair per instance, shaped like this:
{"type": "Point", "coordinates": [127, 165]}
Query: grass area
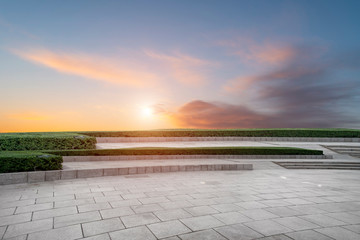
{"type": "Point", "coordinates": [45, 141]}
{"type": "Point", "coordinates": [190, 151]}
{"type": "Point", "coordinates": [268, 132]}
{"type": "Point", "coordinates": [25, 161]}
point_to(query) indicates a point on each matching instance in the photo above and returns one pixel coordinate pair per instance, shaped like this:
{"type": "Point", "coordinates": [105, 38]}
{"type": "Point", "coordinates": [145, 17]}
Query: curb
{"type": "Point", "coordinates": [162, 157]}
{"type": "Point", "coordinates": [190, 139]}
{"type": "Point", "coordinates": [42, 176]}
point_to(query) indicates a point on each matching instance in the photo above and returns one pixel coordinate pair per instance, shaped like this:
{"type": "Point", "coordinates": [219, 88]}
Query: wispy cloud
{"type": "Point", "coordinates": [266, 52]}
{"type": "Point", "coordinates": [184, 68]}
{"type": "Point", "coordinates": [92, 67]}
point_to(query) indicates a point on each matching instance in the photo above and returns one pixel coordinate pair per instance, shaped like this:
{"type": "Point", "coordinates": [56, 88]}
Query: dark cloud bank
{"type": "Point", "coordinates": [309, 91]}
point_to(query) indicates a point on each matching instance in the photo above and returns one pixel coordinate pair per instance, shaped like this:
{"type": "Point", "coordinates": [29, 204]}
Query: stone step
{"type": "Point", "coordinates": [162, 157]}
{"type": "Point", "coordinates": [41, 176]}
{"type": "Point", "coordinates": [320, 165]}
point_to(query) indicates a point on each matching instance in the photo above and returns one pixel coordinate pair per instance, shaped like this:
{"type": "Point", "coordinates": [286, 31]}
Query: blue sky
{"type": "Point", "coordinates": [96, 65]}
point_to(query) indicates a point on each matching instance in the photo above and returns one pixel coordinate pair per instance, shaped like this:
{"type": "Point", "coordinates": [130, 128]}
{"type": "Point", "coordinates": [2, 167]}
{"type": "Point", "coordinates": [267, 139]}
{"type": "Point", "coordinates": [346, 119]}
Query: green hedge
{"type": "Point", "coordinates": [276, 132]}
{"type": "Point", "coordinates": [45, 141]}
{"type": "Point", "coordinates": [28, 161]}
{"type": "Point", "coordinates": [190, 151]}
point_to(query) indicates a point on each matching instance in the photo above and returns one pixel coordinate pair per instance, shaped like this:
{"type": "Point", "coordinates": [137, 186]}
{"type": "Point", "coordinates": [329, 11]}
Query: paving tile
{"type": "Point", "coordinates": [201, 210]}
{"type": "Point", "coordinates": [7, 211]}
{"type": "Point", "coordinates": [76, 219]}
{"type": "Point", "coordinates": [251, 205]}
{"type": "Point", "coordinates": [296, 223]}
{"type": "Point", "coordinates": [102, 226]}
{"type": "Point", "coordinates": [283, 211]}
{"type": "Point", "coordinates": [176, 204]}
{"type": "Point", "coordinates": [168, 229]}
{"type": "Point", "coordinates": [258, 214]}
{"type": "Point", "coordinates": [323, 220]}
{"type": "Point", "coordinates": [137, 233]}
{"type": "Point", "coordinates": [166, 215]}
{"type": "Point", "coordinates": [104, 236]}
{"type": "Point", "coordinates": [146, 208]}
{"type": "Point", "coordinates": [116, 212]}
{"type": "Point", "coordinates": [76, 202]}
{"type": "Point", "coordinates": [276, 237]}
{"type": "Point", "coordinates": [171, 238]}
{"type": "Point", "coordinates": [125, 203]}
{"type": "Point", "coordinates": [297, 201]}
{"type": "Point", "coordinates": [2, 231]}
{"type": "Point", "coordinates": [203, 235]}
{"type": "Point", "coordinates": [228, 207]}
{"type": "Point", "coordinates": [93, 207]}
{"type": "Point", "coordinates": [201, 223]}
{"type": "Point", "coordinates": [33, 208]}
{"type": "Point", "coordinates": [308, 209]}
{"type": "Point", "coordinates": [354, 228]}
{"type": "Point", "coordinates": [12, 219]}
{"type": "Point", "coordinates": [345, 217]}
{"type": "Point", "coordinates": [65, 233]}
{"type": "Point", "coordinates": [238, 232]}
{"type": "Point", "coordinates": [139, 219]}
{"type": "Point", "coordinates": [268, 227]}
{"type": "Point", "coordinates": [232, 217]}
{"type": "Point", "coordinates": [133, 195]}
{"type": "Point", "coordinates": [54, 199]}
{"type": "Point", "coordinates": [103, 199]}
{"type": "Point", "coordinates": [54, 213]}
{"type": "Point", "coordinates": [28, 227]}
{"type": "Point", "coordinates": [339, 233]}
{"type": "Point", "coordinates": [153, 200]}
{"type": "Point", "coordinates": [307, 235]}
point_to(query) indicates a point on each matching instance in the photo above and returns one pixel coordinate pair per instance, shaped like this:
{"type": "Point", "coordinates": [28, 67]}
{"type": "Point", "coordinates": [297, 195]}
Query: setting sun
{"type": "Point", "coordinates": [147, 111]}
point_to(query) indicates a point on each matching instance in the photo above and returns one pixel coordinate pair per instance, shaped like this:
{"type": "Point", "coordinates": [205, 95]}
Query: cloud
{"type": "Point", "coordinates": [185, 69]}
{"type": "Point", "coordinates": [267, 52]}
{"type": "Point", "coordinates": [308, 90]}
{"type": "Point", "coordinates": [91, 67]}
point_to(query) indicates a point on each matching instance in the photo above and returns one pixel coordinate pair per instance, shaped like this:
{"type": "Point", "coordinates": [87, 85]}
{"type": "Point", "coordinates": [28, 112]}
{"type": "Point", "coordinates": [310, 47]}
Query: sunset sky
{"type": "Point", "coordinates": [124, 65]}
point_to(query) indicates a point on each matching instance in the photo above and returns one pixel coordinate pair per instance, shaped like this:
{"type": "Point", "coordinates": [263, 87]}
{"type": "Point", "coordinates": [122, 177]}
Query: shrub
{"type": "Point", "coordinates": [45, 141]}
{"type": "Point", "coordinates": [190, 151]}
{"type": "Point", "coordinates": [275, 132]}
{"type": "Point", "coordinates": [28, 161]}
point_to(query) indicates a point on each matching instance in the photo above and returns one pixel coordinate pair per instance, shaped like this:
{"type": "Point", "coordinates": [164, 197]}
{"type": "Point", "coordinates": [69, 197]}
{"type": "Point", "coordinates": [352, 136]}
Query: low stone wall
{"type": "Point", "coordinates": [162, 157]}
{"type": "Point", "coordinates": [41, 176]}
{"type": "Point", "coordinates": [187, 139]}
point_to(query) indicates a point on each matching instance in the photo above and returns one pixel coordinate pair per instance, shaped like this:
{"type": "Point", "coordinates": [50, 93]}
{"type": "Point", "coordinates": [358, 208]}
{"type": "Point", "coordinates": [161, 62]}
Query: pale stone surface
{"type": "Point", "coordinates": [102, 226]}
{"type": "Point", "coordinates": [168, 229]}
{"type": "Point", "coordinates": [65, 233]}
{"type": "Point", "coordinates": [331, 206]}
{"type": "Point", "coordinates": [238, 231]}
{"type": "Point", "coordinates": [137, 233]}
{"type": "Point", "coordinates": [28, 227]}
{"type": "Point", "coordinates": [139, 219]}
{"type": "Point", "coordinates": [203, 235]}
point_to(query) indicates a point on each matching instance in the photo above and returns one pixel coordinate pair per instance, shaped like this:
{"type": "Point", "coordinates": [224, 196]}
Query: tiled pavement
{"type": "Point", "coordinates": [262, 204]}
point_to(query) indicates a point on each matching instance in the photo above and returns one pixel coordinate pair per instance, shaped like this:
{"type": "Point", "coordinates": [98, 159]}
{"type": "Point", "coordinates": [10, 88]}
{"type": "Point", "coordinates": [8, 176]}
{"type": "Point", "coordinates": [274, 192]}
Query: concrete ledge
{"type": "Point", "coordinates": [41, 176]}
{"type": "Point", "coordinates": [187, 139]}
{"type": "Point", "coordinates": [162, 157]}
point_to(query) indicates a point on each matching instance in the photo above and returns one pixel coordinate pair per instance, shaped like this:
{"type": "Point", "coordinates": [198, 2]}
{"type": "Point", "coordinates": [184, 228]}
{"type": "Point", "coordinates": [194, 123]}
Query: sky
{"type": "Point", "coordinates": [131, 65]}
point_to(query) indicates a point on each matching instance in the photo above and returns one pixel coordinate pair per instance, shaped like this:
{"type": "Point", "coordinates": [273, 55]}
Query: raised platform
{"type": "Point", "coordinates": [187, 139]}
{"type": "Point", "coordinates": [41, 176]}
{"type": "Point", "coordinates": [163, 157]}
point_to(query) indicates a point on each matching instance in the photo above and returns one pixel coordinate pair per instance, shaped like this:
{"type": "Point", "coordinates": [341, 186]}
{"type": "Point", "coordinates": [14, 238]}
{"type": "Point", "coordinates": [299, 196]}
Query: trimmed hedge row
{"type": "Point", "coordinates": [190, 151]}
{"type": "Point", "coordinates": [276, 132]}
{"type": "Point", "coordinates": [45, 141]}
{"type": "Point", "coordinates": [28, 161]}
